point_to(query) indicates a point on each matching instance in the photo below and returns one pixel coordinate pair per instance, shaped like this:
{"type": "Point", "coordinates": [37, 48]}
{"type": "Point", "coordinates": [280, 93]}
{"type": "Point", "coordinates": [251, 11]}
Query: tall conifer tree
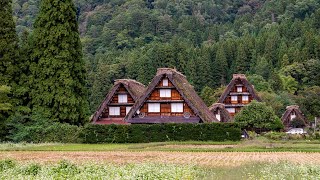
{"type": "Point", "coordinates": [8, 44]}
{"type": "Point", "coordinates": [58, 69]}
{"type": "Point", "coordinates": [240, 65]}
{"type": "Point", "coordinates": [221, 66]}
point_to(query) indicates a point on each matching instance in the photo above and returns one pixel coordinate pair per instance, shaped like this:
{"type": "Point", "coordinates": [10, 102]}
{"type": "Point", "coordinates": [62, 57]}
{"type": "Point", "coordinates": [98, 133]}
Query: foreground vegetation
{"type": "Point", "coordinates": [65, 170]}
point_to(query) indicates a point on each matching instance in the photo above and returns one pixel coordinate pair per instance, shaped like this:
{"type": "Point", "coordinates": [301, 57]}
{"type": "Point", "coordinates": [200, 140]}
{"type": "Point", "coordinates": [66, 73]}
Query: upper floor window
{"type": "Point", "coordinates": [218, 116]}
{"type": "Point", "coordinates": [165, 92]}
{"type": "Point", "coordinates": [234, 98]}
{"type": "Point", "coordinates": [153, 107]}
{"type": "Point", "coordinates": [245, 98]}
{"type": "Point", "coordinates": [293, 115]}
{"type": "Point", "coordinates": [128, 109]}
{"type": "Point", "coordinates": [239, 89]}
{"type": "Point", "coordinates": [231, 110]}
{"type": "Point", "coordinates": [176, 107]}
{"type": "Point", "coordinates": [165, 82]}
{"type": "Point", "coordinates": [114, 111]}
{"type": "Point", "coordinates": [122, 98]}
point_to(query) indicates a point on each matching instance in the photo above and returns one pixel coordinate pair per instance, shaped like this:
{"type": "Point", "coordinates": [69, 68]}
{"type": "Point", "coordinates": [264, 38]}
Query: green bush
{"type": "Point", "coordinates": [142, 133]}
{"type": "Point", "coordinates": [296, 136]}
{"type": "Point", "coordinates": [275, 135]}
{"type": "Point", "coordinates": [259, 117]}
{"type": "Point", "coordinates": [38, 128]}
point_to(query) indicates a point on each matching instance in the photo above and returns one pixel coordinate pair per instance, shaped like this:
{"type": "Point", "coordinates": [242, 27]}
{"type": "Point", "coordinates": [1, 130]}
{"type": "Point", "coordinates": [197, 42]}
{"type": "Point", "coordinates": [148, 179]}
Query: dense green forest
{"type": "Point", "coordinates": [275, 43]}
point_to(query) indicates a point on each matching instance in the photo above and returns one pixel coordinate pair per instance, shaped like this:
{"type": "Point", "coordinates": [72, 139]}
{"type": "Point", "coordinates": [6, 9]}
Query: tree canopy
{"type": "Point", "coordinates": [258, 116]}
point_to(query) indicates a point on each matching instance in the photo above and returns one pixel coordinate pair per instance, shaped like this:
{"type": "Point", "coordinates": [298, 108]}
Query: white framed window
{"type": "Point", "coordinates": [218, 116]}
{"type": "Point", "coordinates": [239, 89]}
{"type": "Point", "coordinates": [122, 98]}
{"type": "Point", "coordinates": [231, 110]}
{"type": "Point", "coordinates": [165, 82]}
{"type": "Point", "coordinates": [234, 98]}
{"type": "Point", "coordinates": [153, 107]}
{"type": "Point", "coordinates": [245, 98]}
{"type": "Point", "coordinates": [165, 92]}
{"type": "Point", "coordinates": [293, 115]}
{"type": "Point", "coordinates": [176, 107]}
{"type": "Point", "coordinates": [128, 109]}
{"type": "Point", "coordinates": [114, 111]}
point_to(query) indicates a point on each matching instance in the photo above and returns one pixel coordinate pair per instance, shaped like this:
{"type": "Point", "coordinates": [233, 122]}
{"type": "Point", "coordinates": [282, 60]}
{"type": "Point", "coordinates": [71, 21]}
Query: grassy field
{"type": "Point", "coordinates": [250, 159]}
{"type": "Point", "coordinates": [256, 145]}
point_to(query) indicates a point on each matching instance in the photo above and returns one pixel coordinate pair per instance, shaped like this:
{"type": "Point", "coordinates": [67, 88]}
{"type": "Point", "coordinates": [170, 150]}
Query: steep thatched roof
{"type": "Point", "coordinates": [225, 115]}
{"type": "Point", "coordinates": [185, 89]}
{"type": "Point", "coordinates": [298, 112]}
{"type": "Point", "coordinates": [245, 82]}
{"type": "Point", "coordinates": [135, 89]}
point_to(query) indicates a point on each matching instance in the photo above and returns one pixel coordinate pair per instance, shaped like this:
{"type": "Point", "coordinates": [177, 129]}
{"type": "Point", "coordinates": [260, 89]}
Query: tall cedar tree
{"type": "Point", "coordinates": [8, 44]}
{"type": "Point", "coordinates": [9, 68]}
{"type": "Point", "coordinates": [58, 69]}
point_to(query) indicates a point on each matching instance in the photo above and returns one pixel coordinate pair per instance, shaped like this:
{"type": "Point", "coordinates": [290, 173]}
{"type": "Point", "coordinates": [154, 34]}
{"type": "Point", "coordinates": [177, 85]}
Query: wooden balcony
{"type": "Point", "coordinates": [165, 87]}
{"type": "Point", "coordinates": [234, 105]}
{"type": "Point", "coordinates": [121, 104]}
{"type": "Point", "coordinates": [234, 102]}
{"type": "Point", "coordinates": [239, 93]}
{"type": "Point", "coordinates": [245, 102]}
{"type": "Point", "coordinates": [165, 101]}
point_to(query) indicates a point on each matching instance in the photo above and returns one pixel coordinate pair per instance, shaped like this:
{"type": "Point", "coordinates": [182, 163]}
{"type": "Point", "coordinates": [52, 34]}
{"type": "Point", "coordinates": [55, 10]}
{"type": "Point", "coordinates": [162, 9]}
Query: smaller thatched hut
{"type": "Point", "coordinates": [220, 112]}
{"type": "Point", "coordinates": [293, 117]}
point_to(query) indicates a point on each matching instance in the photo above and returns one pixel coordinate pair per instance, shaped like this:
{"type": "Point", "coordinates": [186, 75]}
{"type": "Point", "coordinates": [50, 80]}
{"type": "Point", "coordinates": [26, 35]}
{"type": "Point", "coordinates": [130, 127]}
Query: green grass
{"type": "Point", "coordinates": [65, 170]}
{"type": "Point", "coordinates": [256, 145]}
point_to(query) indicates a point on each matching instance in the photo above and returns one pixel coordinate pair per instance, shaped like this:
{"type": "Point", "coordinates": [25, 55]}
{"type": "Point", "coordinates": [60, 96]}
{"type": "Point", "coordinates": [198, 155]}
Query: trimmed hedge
{"type": "Point", "coordinates": [143, 133]}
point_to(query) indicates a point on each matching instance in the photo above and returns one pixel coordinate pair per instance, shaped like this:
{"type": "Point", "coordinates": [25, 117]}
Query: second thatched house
{"type": "Point", "coordinates": [238, 93]}
{"type": "Point", "coordinates": [170, 98]}
{"type": "Point", "coordinates": [118, 102]}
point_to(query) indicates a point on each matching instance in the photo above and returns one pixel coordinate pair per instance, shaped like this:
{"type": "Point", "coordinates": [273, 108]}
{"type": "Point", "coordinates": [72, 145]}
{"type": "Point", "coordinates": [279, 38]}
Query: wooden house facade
{"type": "Point", "coordinates": [118, 102]}
{"type": "Point", "coordinates": [169, 98]}
{"type": "Point", "coordinates": [293, 113]}
{"type": "Point", "coordinates": [238, 93]}
{"type": "Point", "coordinates": [220, 112]}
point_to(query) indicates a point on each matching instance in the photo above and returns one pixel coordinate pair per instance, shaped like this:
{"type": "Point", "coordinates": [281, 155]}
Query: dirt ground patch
{"type": "Point", "coordinates": [213, 159]}
{"type": "Point", "coordinates": [198, 146]}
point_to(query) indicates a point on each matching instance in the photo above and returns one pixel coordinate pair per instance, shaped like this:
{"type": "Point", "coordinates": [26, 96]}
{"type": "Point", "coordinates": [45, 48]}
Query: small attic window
{"type": "Point", "coordinates": [122, 98]}
{"type": "Point", "coordinates": [292, 115]}
{"type": "Point", "coordinates": [165, 82]}
{"type": "Point", "coordinates": [239, 89]}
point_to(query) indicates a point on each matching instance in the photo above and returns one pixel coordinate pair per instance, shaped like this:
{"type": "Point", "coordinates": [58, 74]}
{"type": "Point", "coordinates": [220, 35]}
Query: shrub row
{"type": "Point", "coordinates": [55, 132]}
{"type": "Point", "coordinates": [142, 133]}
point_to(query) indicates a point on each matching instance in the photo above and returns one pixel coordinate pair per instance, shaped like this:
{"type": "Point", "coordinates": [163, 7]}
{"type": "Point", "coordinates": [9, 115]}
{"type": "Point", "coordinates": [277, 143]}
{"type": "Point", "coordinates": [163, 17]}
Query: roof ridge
{"type": "Point", "coordinates": [293, 107]}
{"type": "Point", "coordinates": [127, 80]}
{"type": "Point", "coordinates": [168, 71]}
{"type": "Point", "coordinates": [241, 76]}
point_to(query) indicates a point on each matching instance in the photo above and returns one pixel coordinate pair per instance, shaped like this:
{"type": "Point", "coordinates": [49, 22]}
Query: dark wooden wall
{"type": "Point", "coordinates": [165, 102]}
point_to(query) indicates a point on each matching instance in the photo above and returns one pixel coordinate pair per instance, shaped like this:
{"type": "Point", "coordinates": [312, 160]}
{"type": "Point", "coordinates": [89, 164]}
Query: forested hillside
{"type": "Point", "coordinates": [275, 43]}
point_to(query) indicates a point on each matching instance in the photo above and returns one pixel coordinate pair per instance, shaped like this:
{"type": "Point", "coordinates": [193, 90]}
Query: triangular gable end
{"type": "Point", "coordinates": [116, 104]}
{"type": "Point", "coordinates": [163, 102]}
{"type": "Point", "coordinates": [237, 94]}
{"type": "Point", "coordinates": [291, 113]}
{"type": "Point", "coordinates": [168, 108]}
